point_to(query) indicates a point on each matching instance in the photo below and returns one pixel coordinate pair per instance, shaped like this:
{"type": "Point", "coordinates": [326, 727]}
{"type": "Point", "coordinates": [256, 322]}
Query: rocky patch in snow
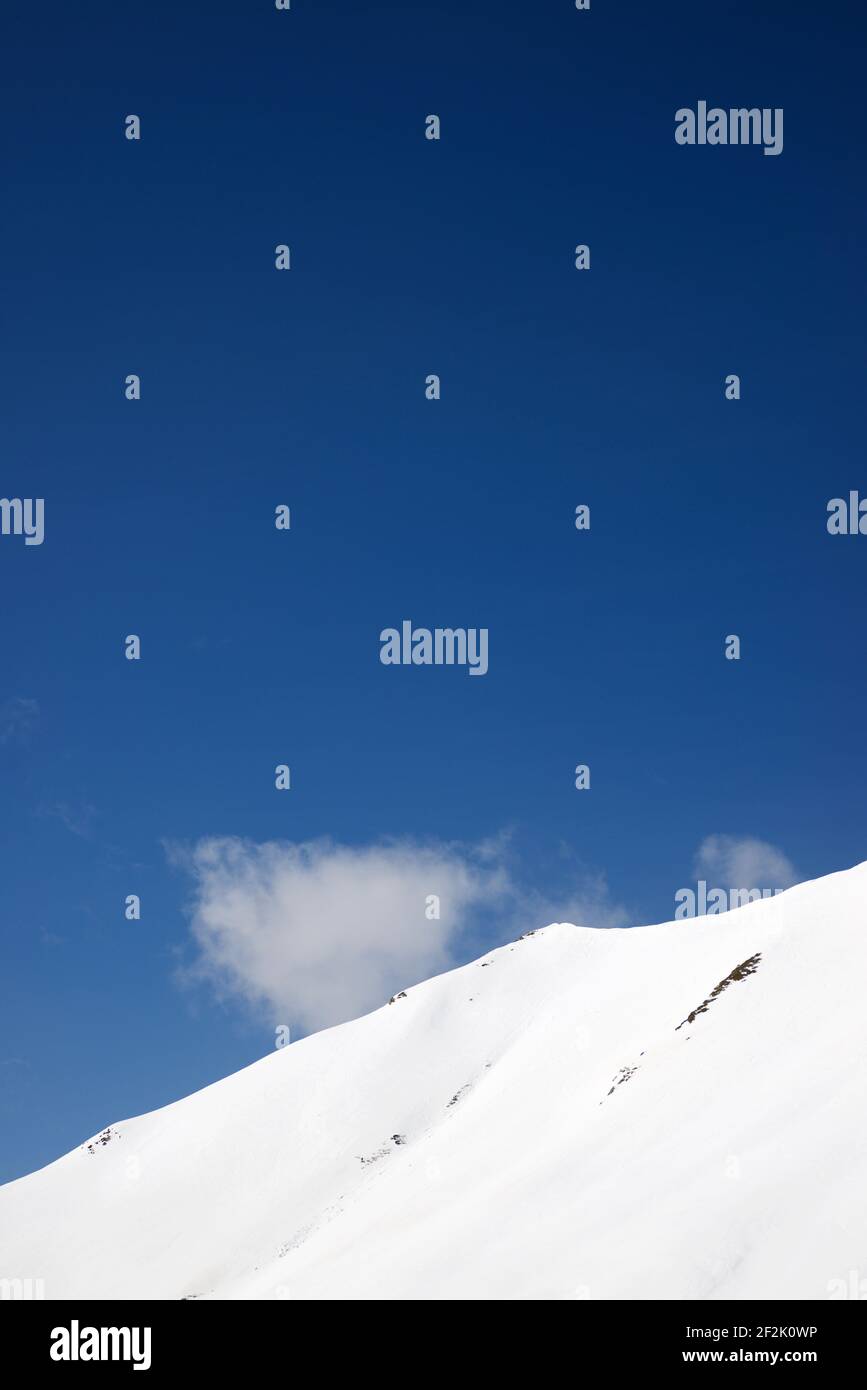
{"type": "Point", "coordinates": [101, 1140]}
{"type": "Point", "coordinates": [740, 972]}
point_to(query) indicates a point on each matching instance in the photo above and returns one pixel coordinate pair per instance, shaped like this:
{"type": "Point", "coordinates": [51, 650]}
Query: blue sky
{"type": "Point", "coordinates": [559, 387]}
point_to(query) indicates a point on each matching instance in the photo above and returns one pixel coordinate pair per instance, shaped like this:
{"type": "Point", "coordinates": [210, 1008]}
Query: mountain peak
{"type": "Point", "coordinates": [578, 1113]}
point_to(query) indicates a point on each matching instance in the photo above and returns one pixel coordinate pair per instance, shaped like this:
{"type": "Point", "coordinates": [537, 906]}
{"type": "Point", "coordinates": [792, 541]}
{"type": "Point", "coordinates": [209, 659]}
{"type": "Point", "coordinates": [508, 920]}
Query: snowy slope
{"type": "Point", "coordinates": [474, 1139]}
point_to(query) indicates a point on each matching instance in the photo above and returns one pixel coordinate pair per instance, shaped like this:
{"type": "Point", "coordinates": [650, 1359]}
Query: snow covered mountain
{"type": "Point", "coordinates": [670, 1111]}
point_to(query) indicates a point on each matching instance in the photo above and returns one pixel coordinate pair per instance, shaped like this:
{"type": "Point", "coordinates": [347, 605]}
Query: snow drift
{"type": "Point", "coordinates": [674, 1111]}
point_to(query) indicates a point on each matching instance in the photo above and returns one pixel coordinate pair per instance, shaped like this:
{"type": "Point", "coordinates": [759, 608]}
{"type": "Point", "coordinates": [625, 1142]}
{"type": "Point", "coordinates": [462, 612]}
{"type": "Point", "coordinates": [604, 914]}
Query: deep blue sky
{"type": "Point", "coordinates": [409, 257]}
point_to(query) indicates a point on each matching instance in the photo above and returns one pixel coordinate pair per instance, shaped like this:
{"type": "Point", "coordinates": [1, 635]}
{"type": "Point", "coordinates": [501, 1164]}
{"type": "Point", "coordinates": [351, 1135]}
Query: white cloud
{"type": "Point", "coordinates": [319, 932]}
{"type": "Point", "coordinates": [727, 861]}
{"type": "Point", "coordinates": [316, 933]}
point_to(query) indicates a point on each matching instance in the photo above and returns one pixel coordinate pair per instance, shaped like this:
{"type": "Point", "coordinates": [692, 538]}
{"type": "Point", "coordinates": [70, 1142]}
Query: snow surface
{"type": "Point", "coordinates": [534, 1125]}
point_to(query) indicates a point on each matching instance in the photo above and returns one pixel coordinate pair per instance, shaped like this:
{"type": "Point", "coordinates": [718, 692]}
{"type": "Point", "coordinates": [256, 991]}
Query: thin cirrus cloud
{"type": "Point", "coordinates": [17, 718]}
{"type": "Point", "coordinates": [317, 932]}
{"type": "Point", "coordinates": [729, 861]}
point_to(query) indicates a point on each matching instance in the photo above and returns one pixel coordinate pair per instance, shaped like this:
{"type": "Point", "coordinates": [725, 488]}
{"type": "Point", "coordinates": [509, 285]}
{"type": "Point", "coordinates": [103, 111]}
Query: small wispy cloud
{"type": "Point", "coordinates": [743, 862]}
{"type": "Point", "coordinates": [589, 904]}
{"type": "Point", "coordinates": [17, 718]}
{"type": "Point", "coordinates": [78, 816]}
{"type": "Point", "coordinates": [14, 1073]}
